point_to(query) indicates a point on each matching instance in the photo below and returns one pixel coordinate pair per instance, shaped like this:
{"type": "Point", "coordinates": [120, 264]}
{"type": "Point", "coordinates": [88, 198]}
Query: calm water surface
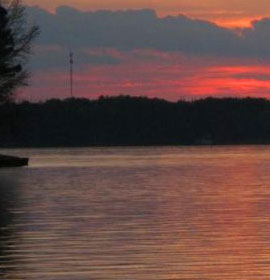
{"type": "Point", "coordinates": [137, 213]}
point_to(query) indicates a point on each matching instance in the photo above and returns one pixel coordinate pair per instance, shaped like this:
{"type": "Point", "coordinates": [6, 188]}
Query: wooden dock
{"type": "Point", "coordinates": [11, 161]}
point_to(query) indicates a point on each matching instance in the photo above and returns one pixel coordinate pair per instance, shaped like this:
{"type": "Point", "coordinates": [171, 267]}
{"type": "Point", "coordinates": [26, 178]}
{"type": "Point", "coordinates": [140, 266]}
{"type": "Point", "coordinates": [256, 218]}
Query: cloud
{"type": "Point", "coordinates": [143, 29]}
{"type": "Point", "coordinates": [206, 9]}
{"type": "Point", "coordinates": [131, 29]}
{"type": "Point", "coordinates": [57, 58]}
{"type": "Point", "coordinates": [253, 76]}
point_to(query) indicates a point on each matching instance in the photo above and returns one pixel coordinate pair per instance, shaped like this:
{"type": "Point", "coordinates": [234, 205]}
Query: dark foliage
{"type": "Point", "coordinates": [128, 120]}
{"type": "Point", "coordinates": [15, 37]}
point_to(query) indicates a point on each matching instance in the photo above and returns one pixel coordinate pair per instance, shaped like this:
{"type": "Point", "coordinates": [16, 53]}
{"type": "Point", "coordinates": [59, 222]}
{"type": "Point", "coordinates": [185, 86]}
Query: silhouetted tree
{"type": "Point", "coordinates": [15, 45]}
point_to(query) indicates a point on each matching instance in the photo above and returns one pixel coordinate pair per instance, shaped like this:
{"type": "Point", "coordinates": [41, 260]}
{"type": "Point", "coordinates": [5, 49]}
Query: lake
{"type": "Point", "coordinates": [137, 214]}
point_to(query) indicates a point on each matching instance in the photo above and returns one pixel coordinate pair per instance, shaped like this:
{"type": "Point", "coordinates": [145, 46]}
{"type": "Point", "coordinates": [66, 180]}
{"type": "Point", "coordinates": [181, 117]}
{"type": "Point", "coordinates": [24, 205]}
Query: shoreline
{"type": "Point", "coordinates": [131, 146]}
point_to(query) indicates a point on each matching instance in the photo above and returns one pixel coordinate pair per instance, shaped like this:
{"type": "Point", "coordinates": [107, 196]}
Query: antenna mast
{"type": "Point", "coordinates": [71, 73]}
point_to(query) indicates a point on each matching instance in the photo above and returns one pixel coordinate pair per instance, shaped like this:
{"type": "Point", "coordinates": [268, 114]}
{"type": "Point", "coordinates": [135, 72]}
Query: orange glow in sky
{"type": "Point", "coordinates": [181, 80]}
{"type": "Point", "coordinates": [229, 13]}
{"type": "Point", "coordinates": [164, 74]}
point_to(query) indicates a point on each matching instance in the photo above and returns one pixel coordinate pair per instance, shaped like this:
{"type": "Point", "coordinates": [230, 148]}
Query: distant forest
{"type": "Point", "coordinates": [126, 120]}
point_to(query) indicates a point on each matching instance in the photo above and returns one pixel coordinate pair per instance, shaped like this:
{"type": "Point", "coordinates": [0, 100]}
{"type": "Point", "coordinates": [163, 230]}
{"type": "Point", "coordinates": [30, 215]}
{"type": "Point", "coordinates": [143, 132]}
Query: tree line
{"type": "Point", "coordinates": [126, 120]}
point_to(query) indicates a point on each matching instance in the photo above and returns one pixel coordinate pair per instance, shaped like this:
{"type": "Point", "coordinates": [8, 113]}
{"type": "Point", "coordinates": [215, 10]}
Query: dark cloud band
{"type": "Point", "coordinates": [143, 29]}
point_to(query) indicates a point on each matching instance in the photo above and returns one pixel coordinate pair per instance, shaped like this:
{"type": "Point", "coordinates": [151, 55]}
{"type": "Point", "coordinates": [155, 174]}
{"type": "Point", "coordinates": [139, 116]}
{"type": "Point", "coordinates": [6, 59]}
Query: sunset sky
{"type": "Point", "coordinates": [168, 49]}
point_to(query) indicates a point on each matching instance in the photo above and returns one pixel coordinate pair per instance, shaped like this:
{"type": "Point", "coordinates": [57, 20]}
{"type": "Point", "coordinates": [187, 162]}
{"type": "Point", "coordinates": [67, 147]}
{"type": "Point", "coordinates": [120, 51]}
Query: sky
{"type": "Point", "coordinates": [228, 13]}
{"type": "Point", "coordinates": [174, 49]}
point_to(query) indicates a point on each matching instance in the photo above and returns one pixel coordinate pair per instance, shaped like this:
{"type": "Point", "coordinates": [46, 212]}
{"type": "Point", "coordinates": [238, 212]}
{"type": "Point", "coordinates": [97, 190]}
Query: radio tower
{"type": "Point", "coordinates": [71, 73]}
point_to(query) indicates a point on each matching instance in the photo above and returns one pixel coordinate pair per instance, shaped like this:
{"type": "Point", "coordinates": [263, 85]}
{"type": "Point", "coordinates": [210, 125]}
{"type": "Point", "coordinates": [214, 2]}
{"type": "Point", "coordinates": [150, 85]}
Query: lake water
{"type": "Point", "coordinates": [137, 214]}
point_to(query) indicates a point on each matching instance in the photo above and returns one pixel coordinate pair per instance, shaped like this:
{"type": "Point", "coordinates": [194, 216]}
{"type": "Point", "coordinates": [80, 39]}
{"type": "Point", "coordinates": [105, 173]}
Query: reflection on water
{"type": "Point", "coordinates": [7, 197]}
{"type": "Point", "coordinates": [137, 213]}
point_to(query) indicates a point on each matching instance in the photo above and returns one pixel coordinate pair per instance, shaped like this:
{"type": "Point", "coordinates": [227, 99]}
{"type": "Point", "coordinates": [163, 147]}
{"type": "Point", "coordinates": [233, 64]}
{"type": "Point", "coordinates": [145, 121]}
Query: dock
{"type": "Point", "coordinates": [11, 161]}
